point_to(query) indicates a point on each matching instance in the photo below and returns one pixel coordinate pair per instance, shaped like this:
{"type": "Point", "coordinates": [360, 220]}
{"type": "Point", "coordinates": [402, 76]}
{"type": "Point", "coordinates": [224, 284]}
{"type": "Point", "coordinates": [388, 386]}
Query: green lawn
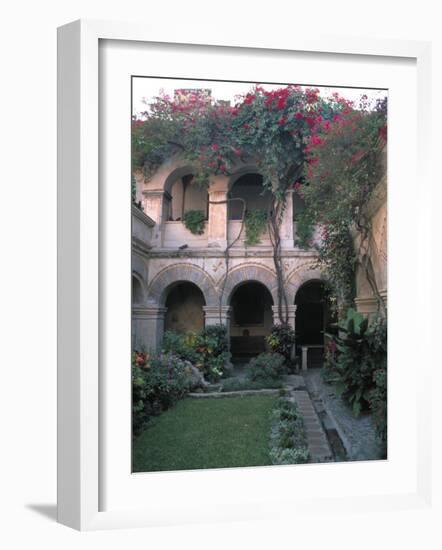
{"type": "Point", "coordinates": [207, 433]}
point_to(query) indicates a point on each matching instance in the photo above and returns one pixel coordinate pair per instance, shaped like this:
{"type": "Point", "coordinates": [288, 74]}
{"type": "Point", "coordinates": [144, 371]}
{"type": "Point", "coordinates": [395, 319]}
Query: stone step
{"type": "Point", "coordinates": [317, 440]}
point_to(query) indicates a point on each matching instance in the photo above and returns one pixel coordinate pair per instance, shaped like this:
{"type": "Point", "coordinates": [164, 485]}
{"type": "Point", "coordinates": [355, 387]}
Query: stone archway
{"type": "Point", "coordinates": [249, 273]}
{"type": "Point", "coordinates": [158, 290]}
{"type": "Point", "coordinates": [181, 273]}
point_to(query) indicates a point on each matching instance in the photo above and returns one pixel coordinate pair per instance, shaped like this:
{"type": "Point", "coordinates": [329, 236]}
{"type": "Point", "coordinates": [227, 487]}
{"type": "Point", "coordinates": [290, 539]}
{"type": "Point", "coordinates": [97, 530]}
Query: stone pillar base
{"type": "Point", "coordinates": [147, 327]}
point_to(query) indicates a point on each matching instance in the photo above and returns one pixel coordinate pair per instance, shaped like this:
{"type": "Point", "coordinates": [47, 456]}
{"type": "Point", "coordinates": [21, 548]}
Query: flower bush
{"type": "Point", "coordinates": [281, 340]}
{"type": "Point", "coordinates": [344, 163]}
{"type": "Point", "coordinates": [158, 382]}
{"type": "Point", "coordinates": [267, 366]}
{"type": "Point", "coordinates": [207, 349]}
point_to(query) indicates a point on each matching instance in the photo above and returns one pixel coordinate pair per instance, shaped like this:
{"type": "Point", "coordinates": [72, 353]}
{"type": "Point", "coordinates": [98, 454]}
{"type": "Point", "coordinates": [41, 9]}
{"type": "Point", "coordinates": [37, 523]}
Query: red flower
{"type": "Point", "coordinates": [281, 103]}
{"type": "Point", "coordinates": [281, 121]}
{"type": "Point", "coordinates": [316, 140]}
{"type": "Point", "coordinates": [215, 147]}
{"type": "Point", "coordinates": [298, 115]}
{"type": "Point", "coordinates": [222, 168]}
{"type": "Point", "coordinates": [246, 126]}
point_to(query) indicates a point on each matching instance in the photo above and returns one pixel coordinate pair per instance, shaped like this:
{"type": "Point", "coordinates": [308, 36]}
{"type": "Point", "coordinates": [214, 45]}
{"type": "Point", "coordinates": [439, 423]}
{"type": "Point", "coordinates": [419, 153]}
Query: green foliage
{"type": "Point", "coordinates": [344, 165]}
{"type": "Point", "coordinates": [207, 349]}
{"type": "Point", "coordinates": [267, 366]}
{"type": "Point", "coordinates": [281, 340]}
{"type": "Point", "coordinates": [305, 227]}
{"type": "Point", "coordinates": [255, 223]}
{"type": "Point", "coordinates": [361, 350]}
{"type": "Point", "coordinates": [195, 220]}
{"type": "Point", "coordinates": [158, 382]}
{"type": "Point", "coordinates": [288, 440]}
{"type": "Point", "coordinates": [378, 402]}
{"type": "Point", "coordinates": [238, 384]}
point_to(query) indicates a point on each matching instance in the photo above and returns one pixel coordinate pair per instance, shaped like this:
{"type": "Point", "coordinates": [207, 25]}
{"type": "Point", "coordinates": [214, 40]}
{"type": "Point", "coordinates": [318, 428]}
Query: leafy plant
{"type": "Point", "coordinates": [255, 223]}
{"type": "Point", "coordinates": [158, 382]}
{"type": "Point", "coordinates": [267, 366]}
{"type": "Point", "coordinates": [361, 350]}
{"type": "Point", "coordinates": [195, 220]}
{"type": "Point", "coordinates": [281, 340]}
{"type": "Point", "coordinates": [288, 440]}
{"type": "Point", "coordinates": [378, 402]}
{"type": "Point", "coordinates": [207, 349]}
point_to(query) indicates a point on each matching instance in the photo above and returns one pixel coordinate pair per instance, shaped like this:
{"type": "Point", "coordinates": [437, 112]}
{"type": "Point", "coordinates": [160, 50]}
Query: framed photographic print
{"type": "Point", "coordinates": [226, 250]}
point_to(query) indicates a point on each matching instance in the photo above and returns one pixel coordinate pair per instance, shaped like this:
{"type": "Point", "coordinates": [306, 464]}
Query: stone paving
{"type": "Point", "coordinates": [316, 438]}
{"type": "Point", "coordinates": [358, 435]}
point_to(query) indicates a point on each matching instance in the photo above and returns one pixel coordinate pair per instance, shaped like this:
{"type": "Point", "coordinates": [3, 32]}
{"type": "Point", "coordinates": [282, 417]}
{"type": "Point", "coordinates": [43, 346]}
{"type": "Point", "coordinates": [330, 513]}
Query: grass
{"type": "Point", "coordinates": [207, 433]}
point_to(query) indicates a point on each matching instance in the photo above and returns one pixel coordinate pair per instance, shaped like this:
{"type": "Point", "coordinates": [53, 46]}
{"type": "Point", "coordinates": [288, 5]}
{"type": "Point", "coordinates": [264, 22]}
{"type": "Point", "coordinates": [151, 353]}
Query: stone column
{"type": "Point", "coordinates": [156, 204]}
{"type": "Point", "coordinates": [286, 229]}
{"type": "Point", "coordinates": [291, 316]}
{"type": "Point", "coordinates": [304, 357]}
{"type": "Point", "coordinates": [212, 315]}
{"type": "Point", "coordinates": [218, 222]}
{"type": "Point", "coordinates": [147, 327]}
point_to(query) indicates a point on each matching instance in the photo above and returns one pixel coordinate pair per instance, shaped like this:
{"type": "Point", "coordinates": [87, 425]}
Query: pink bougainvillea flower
{"type": "Point", "coordinates": [316, 140]}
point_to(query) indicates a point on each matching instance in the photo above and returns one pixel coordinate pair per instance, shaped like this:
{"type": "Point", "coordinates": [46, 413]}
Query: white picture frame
{"type": "Point", "coordinates": [80, 438]}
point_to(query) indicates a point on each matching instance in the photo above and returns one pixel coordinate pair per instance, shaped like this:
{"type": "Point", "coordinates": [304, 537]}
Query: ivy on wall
{"type": "Point", "coordinates": [195, 220]}
{"type": "Point", "coordinates": [255, 224]}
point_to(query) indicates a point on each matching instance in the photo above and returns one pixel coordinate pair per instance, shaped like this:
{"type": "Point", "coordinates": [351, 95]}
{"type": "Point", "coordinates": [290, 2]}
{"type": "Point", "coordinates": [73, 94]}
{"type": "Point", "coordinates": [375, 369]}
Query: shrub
{"type": "Point", "coordinates": [207, 349]}
{"type": "Point", "coordinates": [194, 220]}
{"type": "Point", "coordinates": [281, 340]}
{"type": "Point", "coordinates": [158, 382]}
{"type": "Point", "coordinates": [267, 366]}
{"type": "Point", "coordinates": [235, 384]}
{"type": "Point", "coordinates": [360, 352]}
{"type": "Point", "coordinates": [378, 402]}
{"type": "Point", "coordinates": [288, 441]}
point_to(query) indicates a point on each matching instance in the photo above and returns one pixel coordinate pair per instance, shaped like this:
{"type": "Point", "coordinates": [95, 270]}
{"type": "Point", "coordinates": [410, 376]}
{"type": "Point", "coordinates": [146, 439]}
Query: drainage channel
{"type": "Point", "coordinates": [335, 442]}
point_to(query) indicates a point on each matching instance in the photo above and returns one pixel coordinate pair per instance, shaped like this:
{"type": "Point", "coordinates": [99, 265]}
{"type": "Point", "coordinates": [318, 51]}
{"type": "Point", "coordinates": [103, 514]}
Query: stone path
{"type": "Point", "coordinates": [358, 435]}
{"type": "Point", "coordinates": [317, 440]}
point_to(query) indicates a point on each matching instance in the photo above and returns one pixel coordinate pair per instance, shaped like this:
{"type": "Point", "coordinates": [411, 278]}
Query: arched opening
{"type": "Point", "coordinates": [313, 319]}
{"type": "Point", "coordinates": [249, 188]}
{"type": "Point", "coordinates": [184, 303]}
{"type": "Point", "coordinates": [250, 319]}
{"type": "Point", "coordinates": [186, 195]}
{"type": "Point", "coordinates": [137, 291]}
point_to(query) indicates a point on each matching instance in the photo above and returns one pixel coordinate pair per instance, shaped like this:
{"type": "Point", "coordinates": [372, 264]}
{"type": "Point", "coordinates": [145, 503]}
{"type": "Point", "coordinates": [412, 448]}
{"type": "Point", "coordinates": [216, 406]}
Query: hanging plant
{"type": "Point", "coordinates": [195, 220]}
{"type": "Point", "coordinates": [255, 223]}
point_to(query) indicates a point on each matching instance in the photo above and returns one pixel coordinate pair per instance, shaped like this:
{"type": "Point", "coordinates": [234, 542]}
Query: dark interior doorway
{"type": "Point", "coordinates": [184, 305]}
{"type": "Point", "coordinates": [251, 319]}
{"type": "Point", "coordinates": [311, 321]}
